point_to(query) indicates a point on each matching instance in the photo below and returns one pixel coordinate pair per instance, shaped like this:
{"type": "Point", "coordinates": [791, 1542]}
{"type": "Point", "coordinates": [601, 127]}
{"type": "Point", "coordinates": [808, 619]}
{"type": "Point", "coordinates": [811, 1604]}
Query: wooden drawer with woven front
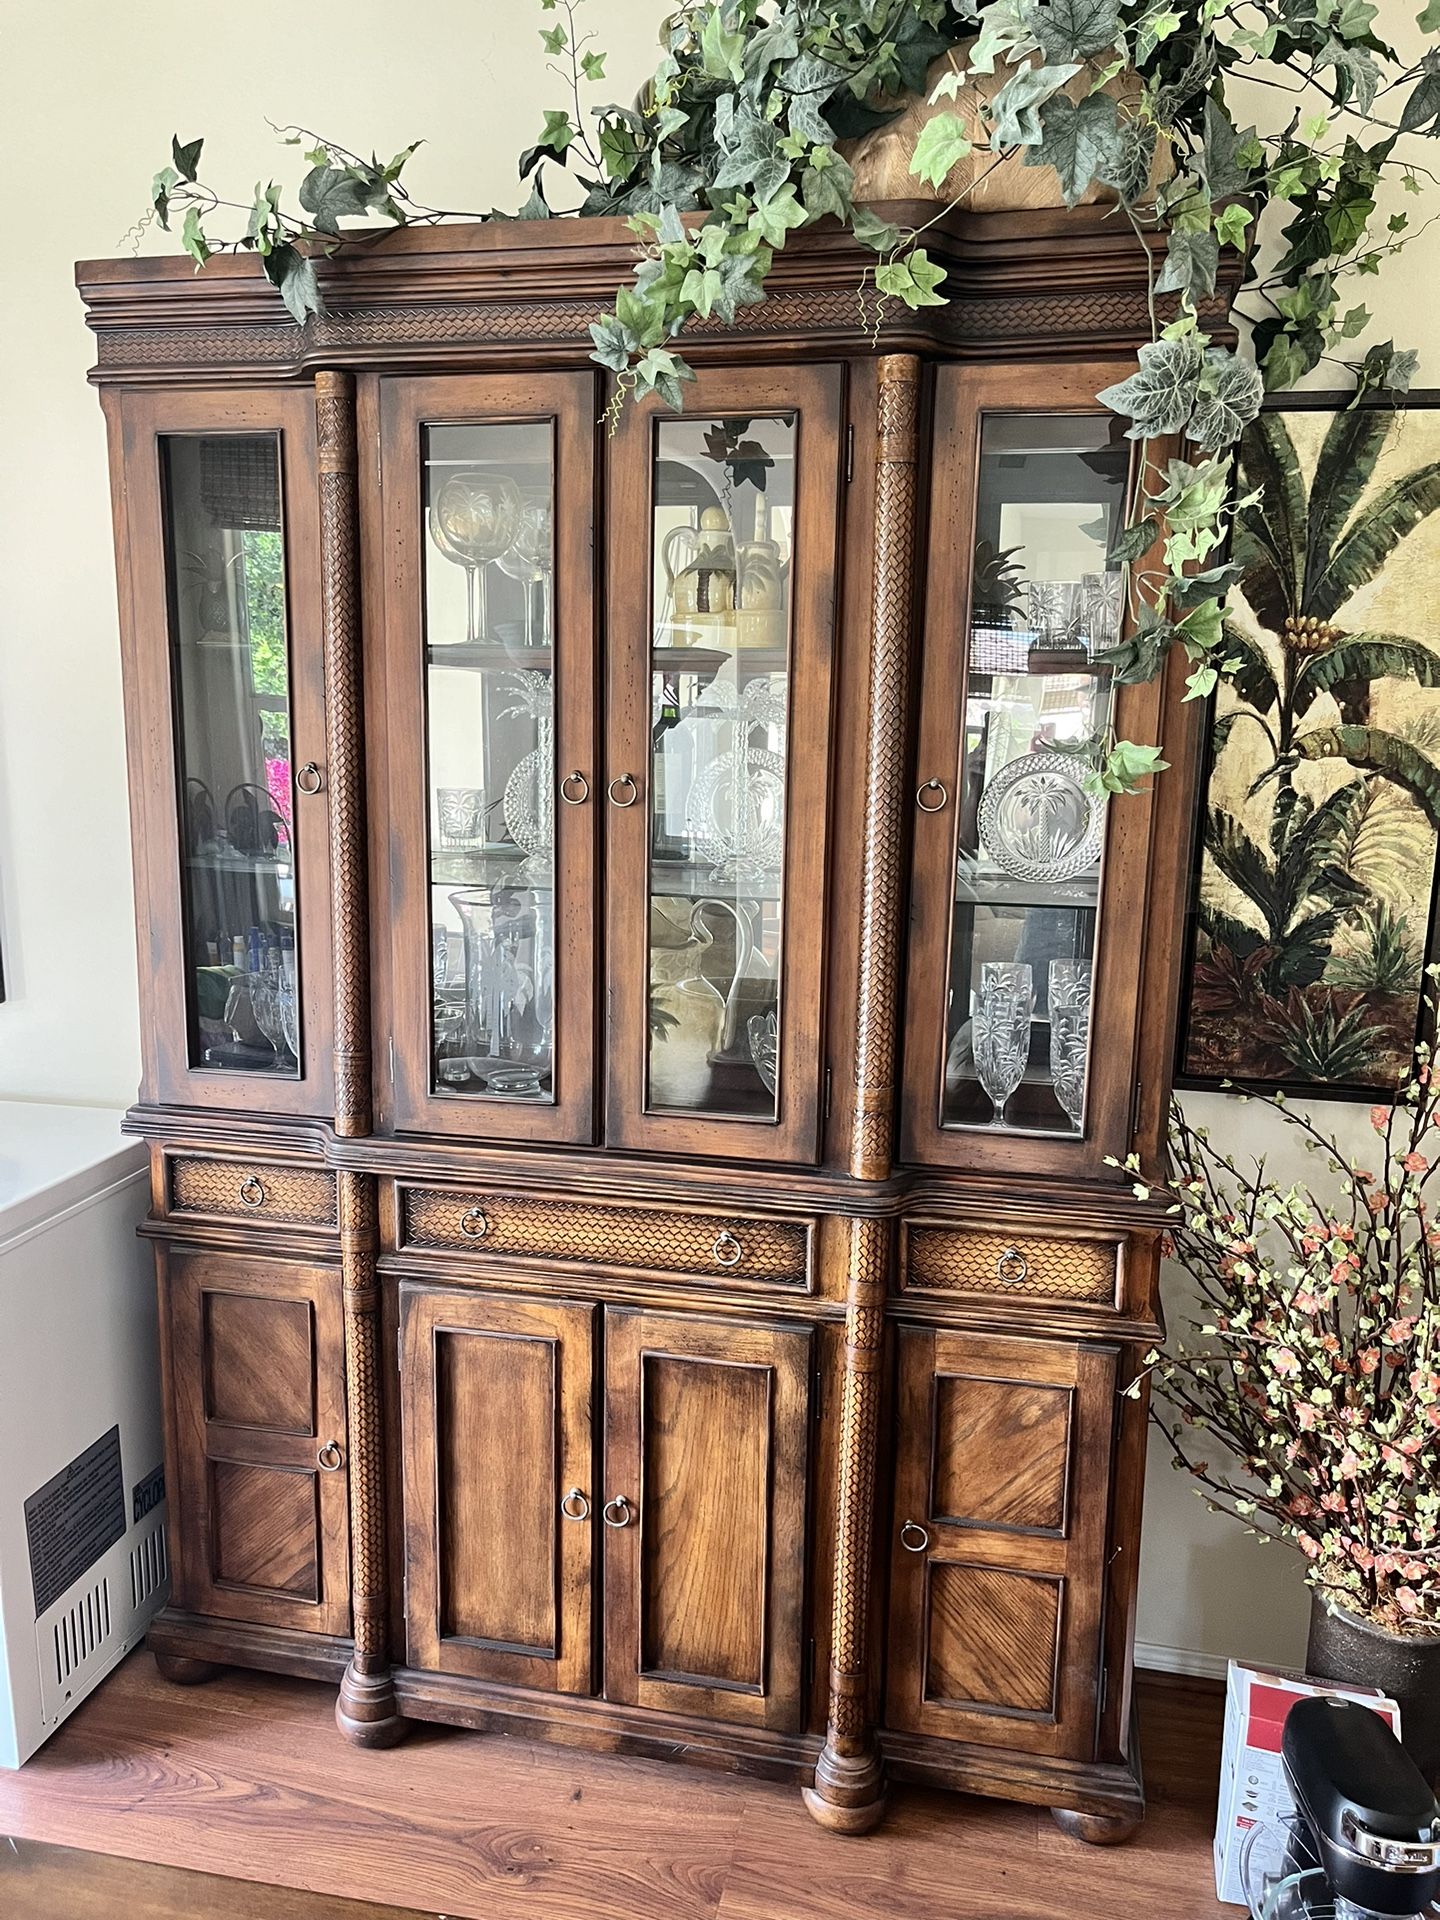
{"type": "Point", "coordinates": [945, 1260]}
{"type": "Point", "coordinates": [723, 1248]}
{"type": "Point", "coordinates": [251, 1190]}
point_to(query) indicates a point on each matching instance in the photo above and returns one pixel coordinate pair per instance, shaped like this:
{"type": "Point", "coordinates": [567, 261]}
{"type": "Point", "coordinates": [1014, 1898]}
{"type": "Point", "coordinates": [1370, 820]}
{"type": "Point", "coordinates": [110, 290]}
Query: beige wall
{"type": "Point", "coordinates": [89, 95]}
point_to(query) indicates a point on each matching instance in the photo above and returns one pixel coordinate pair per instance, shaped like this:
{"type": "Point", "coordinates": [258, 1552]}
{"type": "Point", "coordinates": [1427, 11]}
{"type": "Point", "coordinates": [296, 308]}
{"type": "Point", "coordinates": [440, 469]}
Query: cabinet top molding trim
{"type": "Point", "coordinates": [525, 292]}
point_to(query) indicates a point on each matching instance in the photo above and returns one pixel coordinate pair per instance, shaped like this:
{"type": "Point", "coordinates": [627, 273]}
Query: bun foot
{"type": "Point", "coordinates": [181, 1671]}
{"type": "Point", "coordinates": [366, 1711]}
{"type": "Point", "coordinates": [1097, 1829]}
{"type": "Point", "coordinates": [849, 1792]}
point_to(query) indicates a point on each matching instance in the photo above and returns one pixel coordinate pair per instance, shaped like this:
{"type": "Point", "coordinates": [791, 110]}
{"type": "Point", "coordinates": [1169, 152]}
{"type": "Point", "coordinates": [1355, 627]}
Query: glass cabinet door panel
{"type": "Point", "coordinates": [230, 665]}
{"type": "Point", "coordinates": [488, 504]}
{"type": "Point", "coordinates": [722, 536]}
{"type": "Point", "coordinates": [723, 528]}
{"type": "Point", "coordinates": [1050, 500]}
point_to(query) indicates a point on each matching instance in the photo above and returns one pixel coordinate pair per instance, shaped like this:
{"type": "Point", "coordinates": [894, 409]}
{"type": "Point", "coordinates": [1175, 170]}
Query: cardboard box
{"type": "Point", "coordinates": [1252, 1775]}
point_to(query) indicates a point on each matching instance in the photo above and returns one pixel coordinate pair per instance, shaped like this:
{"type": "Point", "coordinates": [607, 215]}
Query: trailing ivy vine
{"type": "Point", "coordinates": [741, 128]}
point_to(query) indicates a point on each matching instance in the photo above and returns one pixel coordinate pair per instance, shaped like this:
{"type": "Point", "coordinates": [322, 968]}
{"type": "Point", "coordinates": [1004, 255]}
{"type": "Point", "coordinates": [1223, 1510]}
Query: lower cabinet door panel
{"type": "Point", "coordinates": [499, 1523]}
{"type": "Point", "coordinates": [998, 1555]}
{"type": "Point", "coordinates": [706, 1446]}
{"type": "Point", "coordinates": [256, 1359]}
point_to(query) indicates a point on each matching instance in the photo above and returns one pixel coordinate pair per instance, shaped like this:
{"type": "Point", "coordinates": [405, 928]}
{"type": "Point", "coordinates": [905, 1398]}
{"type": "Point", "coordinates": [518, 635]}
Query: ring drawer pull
{"type": "Point", "coordinates": [575, 779]}
{"type": "Point", "coordinates": [252, 1192]}
{"type": "Point", "coordinates": [621, 1506]}
{"type": "Point", "coordinates": [330, 1457]}
{"type": "Point", "coordinates": [931, 786]}
{"type": "Point", "coordinates": [575, 1506]}
{"type": "Point", "coordinates": [623, 780]}
{"type": "Point", "coordinates": [1012, 1267]}
{"type": "Point", "coordinates": [473, 1223]}
{"type": "Point", "coordinates": [913, 1537]}
{"type": "Point", "coordinates": [310, 779]}
{"type": "Point", "coordinates": [727, 1249]}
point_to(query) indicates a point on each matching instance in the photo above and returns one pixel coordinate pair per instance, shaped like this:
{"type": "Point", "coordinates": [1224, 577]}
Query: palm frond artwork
{"type": "Point", "coordinates": [1321, 816]}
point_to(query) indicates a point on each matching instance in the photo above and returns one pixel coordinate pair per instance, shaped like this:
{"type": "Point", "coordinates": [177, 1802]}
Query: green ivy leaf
{"type": "Point", "coordinates": [944, 141]}
{"type": "Point", "coordinates": [722, 47]}
{"type": "Point", "coordinates": [1135, 542]}
{"type": "Point", "coordinates": [1015, 109]}
{"type": "Point", "coordinates": [1078, 141]}
{"type": "Point", "coordinates": [160, 187]}
{"type": "Point", "coordinates": [913, 279]}
{"type": "Point", "coordinates": [294, 273]}
{"type": "Point", "coordinates": [660, 371]}
{"type": "Point", "coordinates": [752, 157]}
{"type": "Point", "coordinates": [778, 41]}
{"type": "Point", "coordinates": [186, 159]}
{"type": "Point", "coordinates": [592, 65]}
{"type": "Point", "coordinates": [881, 236]}
{"type": "Point", "coordinates": [1191, 262]}
{"type": "Point", "coordinates": [553, 39]}
{"type": "Point", "coordinates": [1223, 152]}
{"type": "Point", "coordinates": [557, 132]}
{"type": "Point", "coordinates": [1229, 399]}
{"type": "Point", "coordinates": [1160, 396]}
{"type": "Point", "coordinates": [1422, 108]}
{"type": "Point", "coordinates": [1073, 29]}
{"type": "Point", "coordinates": [193, 239]}
{"type": "Point", "coordinates": [828, 188]}
{"type": "Point", "coordinates": [328, 194]}
{"type": "Point", "coordinates": [1129, 167]}
{"type": "Point", "coordinates": [776, 216]}
{"type": "Point", "coordinates": [1231, 223]}
{"type": "Point", "coordinates": [1127, 764]}
{"type": "Point", "coordinates": [1429, 20]}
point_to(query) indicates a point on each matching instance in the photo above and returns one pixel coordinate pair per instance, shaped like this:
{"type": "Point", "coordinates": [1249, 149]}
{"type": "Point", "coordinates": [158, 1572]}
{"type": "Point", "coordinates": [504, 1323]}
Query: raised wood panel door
{"type": "Point", "coordinates": [998, 1555]}
{"type": "Point", "coordinates": [706, 1444]}
{"type": "Point", "coordinates": [255, 1362]}
{"type": "Point", "coordinates": [723, 579]}
{"type": "Point", "coordinates": [486, 731]}
{"type": "Point", "coordinates": [1028, 907]}
{"type": "Point", "coordinates": [499, 1497]}
{"type": "Point", "coordinates": [217, 528]}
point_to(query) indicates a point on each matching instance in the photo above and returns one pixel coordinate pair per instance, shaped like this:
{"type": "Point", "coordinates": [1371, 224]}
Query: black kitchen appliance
{"type": "Point", "coordinates": [1364, 1840]}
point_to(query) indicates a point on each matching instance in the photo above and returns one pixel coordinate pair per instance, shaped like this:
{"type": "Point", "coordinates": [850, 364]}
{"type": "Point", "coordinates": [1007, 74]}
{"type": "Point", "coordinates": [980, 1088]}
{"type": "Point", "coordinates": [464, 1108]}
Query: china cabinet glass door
{"type": "Point", "coordinates": [226, 648]}
{"type": "Point", "coordinates": [1021, 1000]}
{"type": "Point", "coordinates": [722, 570]}
{"type": "Point", "coordinates": [489, 703]}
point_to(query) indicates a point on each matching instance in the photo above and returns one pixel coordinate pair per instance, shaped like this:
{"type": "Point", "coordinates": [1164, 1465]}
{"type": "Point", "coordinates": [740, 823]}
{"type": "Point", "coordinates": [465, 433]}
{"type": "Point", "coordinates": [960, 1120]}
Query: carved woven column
{"type": "Point", "coordinates": [849, 1791]}
{"type": "Point", "coordinates": [344, 746]}
{"type": "Point", "coordinates": [891, 598]}
{"type": "Point", "coordinates": [366, 1710]}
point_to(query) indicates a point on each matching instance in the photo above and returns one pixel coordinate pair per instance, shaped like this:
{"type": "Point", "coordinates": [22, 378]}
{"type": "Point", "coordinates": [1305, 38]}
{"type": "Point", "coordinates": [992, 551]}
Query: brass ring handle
{"type": "Point", "coordinates": [622, 1505]}
{"type": "Point", "coordinates": [580, 1511]}
{"type": "Point", "coordinates": [575, 779]}
{"type": "Point", "coordinates": [623, 780]}
{"type": "Point", "coordinates": [1012, 1268]}
{"type": "Point", "coordinates": [931, 786]}
{"type": "Point", "coordinates": [473, 1223]}
{"type": "Point", "coordinates": [252, 1192]}
{"type": "Point", "coordinates": [919, 1543]}
{"type": "Point", "coordinates": [310, 779]}
{"type": "Point", "coordinates": [330, 1457]}
{"type": "Point", "coordinates": [727, 1249]}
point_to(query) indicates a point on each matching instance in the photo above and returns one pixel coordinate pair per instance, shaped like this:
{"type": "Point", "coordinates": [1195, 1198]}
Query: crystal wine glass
{"type": "Point", "coordinates": [1001, 1030]}
{"type": "Point", "coordinates": [473, 520]}
{"type": "Point", "coordinates": [1070, 1034]}
{"type": "Point", "coordinates": [531, 560]}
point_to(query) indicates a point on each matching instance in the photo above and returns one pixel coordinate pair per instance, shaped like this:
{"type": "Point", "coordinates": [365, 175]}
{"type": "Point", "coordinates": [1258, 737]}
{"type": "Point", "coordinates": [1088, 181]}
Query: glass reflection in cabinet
{"type": "Point", "coordinates": [722, 539]}
{"type": "Point", "coordinates": [490, 737]}
{"type": "Point", "coordinates": [1050, 503]}
{"type": "Point", "coordinates": [225, 562]}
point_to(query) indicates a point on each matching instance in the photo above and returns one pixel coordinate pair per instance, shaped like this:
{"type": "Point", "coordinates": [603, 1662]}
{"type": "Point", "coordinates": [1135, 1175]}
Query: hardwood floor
{"type": "Point", "coordinates": [247, 1779]}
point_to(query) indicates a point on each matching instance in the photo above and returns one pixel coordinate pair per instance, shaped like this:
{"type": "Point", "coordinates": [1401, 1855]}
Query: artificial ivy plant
{"type": "Point", "coordinates": [742, 126]}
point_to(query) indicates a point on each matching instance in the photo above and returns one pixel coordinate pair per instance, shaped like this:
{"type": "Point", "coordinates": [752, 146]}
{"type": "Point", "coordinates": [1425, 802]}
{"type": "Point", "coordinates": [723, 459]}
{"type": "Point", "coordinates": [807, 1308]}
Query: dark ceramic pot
{"type": "Point", "coordinates": [1407, 1667]}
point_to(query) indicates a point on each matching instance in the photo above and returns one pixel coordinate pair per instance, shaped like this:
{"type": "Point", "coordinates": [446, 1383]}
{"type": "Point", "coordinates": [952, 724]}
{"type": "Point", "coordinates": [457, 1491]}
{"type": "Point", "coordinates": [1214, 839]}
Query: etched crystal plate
{"type": "Point", "coordinates": [1036, 820]}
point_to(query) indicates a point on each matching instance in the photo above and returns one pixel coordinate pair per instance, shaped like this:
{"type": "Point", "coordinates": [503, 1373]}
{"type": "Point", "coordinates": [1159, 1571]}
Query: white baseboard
{"type": "Point", "coordinates": [1197, 1666]}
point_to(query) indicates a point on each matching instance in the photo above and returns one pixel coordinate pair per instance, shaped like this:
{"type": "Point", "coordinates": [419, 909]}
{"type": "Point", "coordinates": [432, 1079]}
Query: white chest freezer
{"type": "Point", "coordinates": [82, 1483]}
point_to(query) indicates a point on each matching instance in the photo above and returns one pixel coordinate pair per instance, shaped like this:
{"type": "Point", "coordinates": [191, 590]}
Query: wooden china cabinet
{"type": "Point", "coordinates": [640, 1011]}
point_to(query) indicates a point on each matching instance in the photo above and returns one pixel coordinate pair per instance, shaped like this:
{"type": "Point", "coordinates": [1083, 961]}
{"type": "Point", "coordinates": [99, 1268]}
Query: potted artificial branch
{"type": "Point", "coordinates": [1306, 1400]}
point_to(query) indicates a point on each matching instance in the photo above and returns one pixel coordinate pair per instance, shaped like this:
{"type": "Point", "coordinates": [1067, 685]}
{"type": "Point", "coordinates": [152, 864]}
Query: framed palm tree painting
{"type": "Point", "coordinates": [1315, 899]}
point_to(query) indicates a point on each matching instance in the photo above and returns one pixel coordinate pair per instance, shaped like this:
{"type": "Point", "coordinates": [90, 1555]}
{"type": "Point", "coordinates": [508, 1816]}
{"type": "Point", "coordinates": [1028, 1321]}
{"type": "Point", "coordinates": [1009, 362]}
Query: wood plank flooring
{"type": "Point", "coordinates": [247, 1779]}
